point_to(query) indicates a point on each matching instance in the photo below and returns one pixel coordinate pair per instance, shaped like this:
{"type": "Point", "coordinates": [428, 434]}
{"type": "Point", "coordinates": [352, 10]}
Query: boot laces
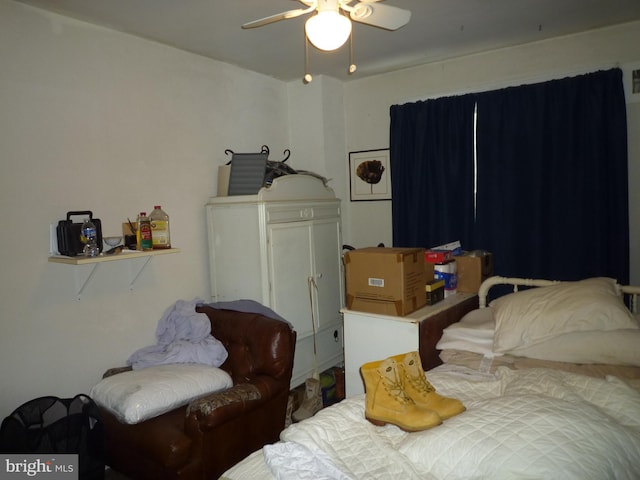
{"type": "Point", "coordinates": [417, 380]}
{"type": "Point", "coordinates": [394, 388]}
{"type": "Point", "coordinates": [419, 383]}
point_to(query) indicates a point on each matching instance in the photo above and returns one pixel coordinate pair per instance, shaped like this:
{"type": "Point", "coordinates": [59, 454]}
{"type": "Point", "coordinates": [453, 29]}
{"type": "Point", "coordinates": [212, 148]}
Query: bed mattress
{"type": "Point", "coordinates": [534, 423]}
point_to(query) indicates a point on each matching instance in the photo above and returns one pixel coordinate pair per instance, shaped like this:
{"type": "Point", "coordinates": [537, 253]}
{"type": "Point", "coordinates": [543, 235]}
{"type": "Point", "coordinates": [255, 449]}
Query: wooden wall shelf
{"type": "Point", "coordinates": [124, 255]}
{"type": "Point", "coordinates": [83, 277]}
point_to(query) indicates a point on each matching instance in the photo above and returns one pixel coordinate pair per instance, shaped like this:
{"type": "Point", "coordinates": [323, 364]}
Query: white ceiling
{"type": "Point", "coordinates": [438, 29]}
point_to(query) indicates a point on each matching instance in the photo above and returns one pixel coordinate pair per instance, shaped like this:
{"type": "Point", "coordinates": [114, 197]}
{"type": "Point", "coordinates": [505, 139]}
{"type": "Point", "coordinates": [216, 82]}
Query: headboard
{"type": "Point", "coordinates": [631, 293]}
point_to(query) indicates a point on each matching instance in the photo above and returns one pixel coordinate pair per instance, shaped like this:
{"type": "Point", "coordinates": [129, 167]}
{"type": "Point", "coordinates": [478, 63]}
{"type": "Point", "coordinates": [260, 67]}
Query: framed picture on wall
{"type": "Point", "coordinates": [631, 79]}
{"type": "Point", "coordinates": [370, 175]}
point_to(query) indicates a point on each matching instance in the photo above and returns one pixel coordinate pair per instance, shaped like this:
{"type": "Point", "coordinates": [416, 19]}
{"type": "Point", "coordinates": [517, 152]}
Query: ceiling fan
{"type": "Point", "coordinates": [330, 28]}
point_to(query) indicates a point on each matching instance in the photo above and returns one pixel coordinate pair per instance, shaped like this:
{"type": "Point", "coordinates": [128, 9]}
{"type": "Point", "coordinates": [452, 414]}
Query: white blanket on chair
{"type": "Point", "coordinates": [184, 336]}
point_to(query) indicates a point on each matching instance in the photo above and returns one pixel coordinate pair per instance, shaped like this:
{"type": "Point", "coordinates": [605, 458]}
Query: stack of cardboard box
{"type": "Point", "coordinates": [399, 281]}
{"type": "Point", "coordinates": [388, 281]}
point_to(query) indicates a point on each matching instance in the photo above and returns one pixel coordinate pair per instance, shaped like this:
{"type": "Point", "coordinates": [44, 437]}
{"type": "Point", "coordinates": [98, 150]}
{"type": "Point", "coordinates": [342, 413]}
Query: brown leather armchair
{"type": "Point", "coordinates": [211, 434]}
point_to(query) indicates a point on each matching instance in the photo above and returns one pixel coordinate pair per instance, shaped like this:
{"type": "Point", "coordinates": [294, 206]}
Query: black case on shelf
{"type": "Point", "coordinates": [68, 233]}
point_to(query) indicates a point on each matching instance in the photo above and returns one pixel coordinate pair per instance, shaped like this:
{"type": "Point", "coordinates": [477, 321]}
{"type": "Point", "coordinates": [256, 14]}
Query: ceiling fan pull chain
{"type": "Point", "coordinates": [352, 66]}
{"type": "Point", "coordinates": [307, 76]}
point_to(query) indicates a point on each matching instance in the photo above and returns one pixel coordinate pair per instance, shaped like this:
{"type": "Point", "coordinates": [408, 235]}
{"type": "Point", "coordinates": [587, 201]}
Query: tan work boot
{"type": "Point", "coordinates": [312, 402]}
{"type": "Point", "coordinates": [387, 402]}
{"type": "Point", "coordinates": [421, 391]}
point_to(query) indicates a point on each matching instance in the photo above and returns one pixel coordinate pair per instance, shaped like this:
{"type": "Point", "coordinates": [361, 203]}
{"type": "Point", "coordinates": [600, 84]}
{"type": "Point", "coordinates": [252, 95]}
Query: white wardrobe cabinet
{"type": "Point", "coordinates": [282, 248]}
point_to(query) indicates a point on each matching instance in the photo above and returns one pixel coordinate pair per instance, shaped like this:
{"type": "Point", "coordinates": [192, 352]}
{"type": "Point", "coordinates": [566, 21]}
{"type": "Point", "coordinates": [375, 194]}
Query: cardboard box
{"type": "Point", "coordinates": [473, 268]}
{"type": "Point", "coordinates": [438, 256]}
{"type": "Point", "coordinates": [388, 281]}
{"type": "Point", "coordinates": [429, 271]}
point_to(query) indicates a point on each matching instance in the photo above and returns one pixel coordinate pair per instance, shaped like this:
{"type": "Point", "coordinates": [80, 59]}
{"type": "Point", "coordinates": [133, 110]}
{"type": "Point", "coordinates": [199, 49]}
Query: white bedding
{"type": "Point", "coordinates": [534, 424]}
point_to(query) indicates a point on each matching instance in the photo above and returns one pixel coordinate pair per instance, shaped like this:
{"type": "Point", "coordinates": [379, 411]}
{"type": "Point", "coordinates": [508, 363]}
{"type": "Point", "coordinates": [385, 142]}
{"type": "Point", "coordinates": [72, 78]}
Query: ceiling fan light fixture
{"type": "Point", "coordinates": [328, 30]}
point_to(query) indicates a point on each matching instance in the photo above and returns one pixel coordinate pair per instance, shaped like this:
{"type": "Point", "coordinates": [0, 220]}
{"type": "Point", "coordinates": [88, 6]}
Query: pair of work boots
{"type": "Point", "coordinates": [397, 392]}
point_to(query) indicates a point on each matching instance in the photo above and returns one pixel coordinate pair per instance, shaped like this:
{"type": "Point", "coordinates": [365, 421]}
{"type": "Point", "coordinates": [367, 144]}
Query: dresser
{"type": "Point", "coordinates": [282, 248]}
{"type": "Point", "coordinates": [369, 337]}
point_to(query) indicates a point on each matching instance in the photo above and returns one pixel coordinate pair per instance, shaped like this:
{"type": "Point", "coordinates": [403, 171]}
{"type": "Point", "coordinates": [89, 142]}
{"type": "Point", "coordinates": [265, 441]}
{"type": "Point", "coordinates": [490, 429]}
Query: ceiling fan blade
{"type": "Point", "coordinates": [379, 15]}
{"type": "Point", "coordinates": [277, 17]}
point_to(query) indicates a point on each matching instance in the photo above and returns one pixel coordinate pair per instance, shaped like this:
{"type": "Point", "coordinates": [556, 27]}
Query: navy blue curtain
{"type": "Point", "coordinates": [552, 194]}
{"type": "Point", "coordinates": [432, 171]}
{"type": "Point", "coordinates": [552, 198]}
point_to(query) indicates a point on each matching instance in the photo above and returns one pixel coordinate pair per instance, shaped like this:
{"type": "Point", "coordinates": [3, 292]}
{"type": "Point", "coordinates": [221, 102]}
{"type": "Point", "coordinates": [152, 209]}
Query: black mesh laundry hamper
{"type": "Point", "coordinates": [58, 425]}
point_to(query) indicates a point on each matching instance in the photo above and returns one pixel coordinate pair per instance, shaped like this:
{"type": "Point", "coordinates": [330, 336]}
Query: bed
{"type": "Point", "coordinates": [549, 375]}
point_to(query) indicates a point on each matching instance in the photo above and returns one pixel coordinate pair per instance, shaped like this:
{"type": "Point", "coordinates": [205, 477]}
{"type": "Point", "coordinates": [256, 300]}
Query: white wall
{"type": "Point", "coordinates": [95, 119]}
{"type": "Point", "coordinates": [367, 104]}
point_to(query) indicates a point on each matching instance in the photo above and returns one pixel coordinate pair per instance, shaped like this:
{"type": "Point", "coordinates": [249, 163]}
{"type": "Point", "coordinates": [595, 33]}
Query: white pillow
{"type": "Point", "coordinates": [138, 395]}
{"type": "Point", "coordinates": [616, 347]}
{"type": "Point", "coordinates": [473, 333]}
{"type": "Point", "coordinates": [532, 316]}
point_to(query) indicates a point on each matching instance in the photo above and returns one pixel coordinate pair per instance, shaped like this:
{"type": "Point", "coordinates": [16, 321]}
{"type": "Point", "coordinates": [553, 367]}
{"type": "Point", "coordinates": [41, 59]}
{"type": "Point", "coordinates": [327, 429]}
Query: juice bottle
{"type": "Point", "coordinates": [160, 236]}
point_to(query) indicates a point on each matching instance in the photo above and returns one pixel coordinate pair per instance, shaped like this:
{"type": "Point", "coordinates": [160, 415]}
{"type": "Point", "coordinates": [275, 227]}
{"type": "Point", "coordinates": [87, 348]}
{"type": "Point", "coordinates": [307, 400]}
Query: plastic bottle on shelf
{"type": "Point", "coordinates": [160, 235]}
{"type": "Point", "coordinates": [143, 232]}
{"type": "Point", "coordinates": [89, 236]}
